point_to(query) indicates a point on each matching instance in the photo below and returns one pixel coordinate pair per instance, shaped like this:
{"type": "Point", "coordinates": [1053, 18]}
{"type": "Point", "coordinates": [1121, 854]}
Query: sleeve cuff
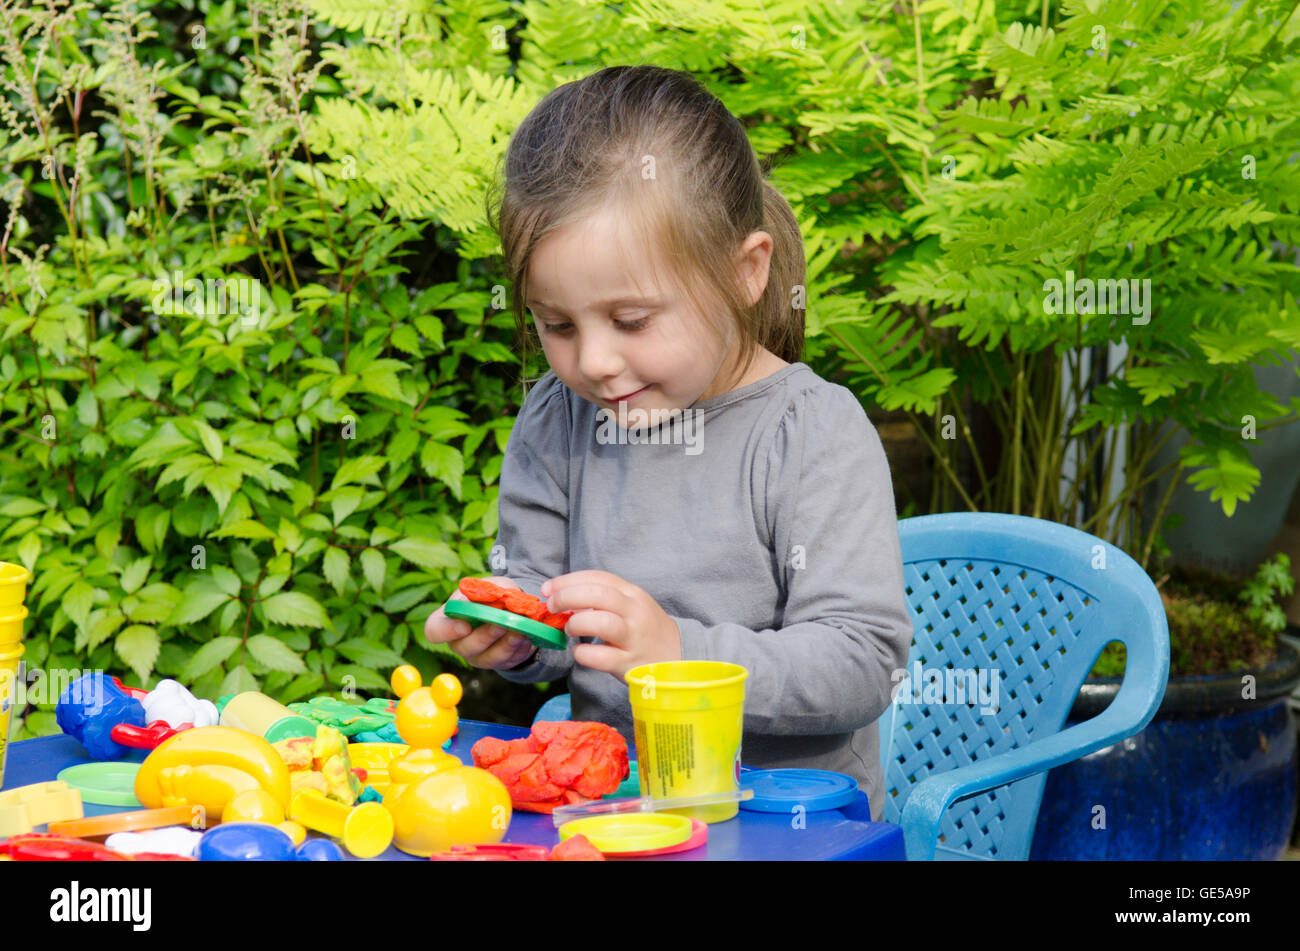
{"type": "Point", "coordinates": [695, 646]}
{"type": "Point", "coordinates": [540, 669]}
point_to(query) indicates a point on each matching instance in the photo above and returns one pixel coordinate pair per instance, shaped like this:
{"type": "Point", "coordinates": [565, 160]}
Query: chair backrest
{"type": "Point", "coordinates": [1014, 610]}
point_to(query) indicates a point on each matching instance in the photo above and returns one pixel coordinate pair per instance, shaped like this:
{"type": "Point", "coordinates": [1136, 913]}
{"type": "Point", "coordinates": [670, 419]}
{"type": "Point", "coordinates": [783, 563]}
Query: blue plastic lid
{"type": "Point", "coordinates": [780, 790]}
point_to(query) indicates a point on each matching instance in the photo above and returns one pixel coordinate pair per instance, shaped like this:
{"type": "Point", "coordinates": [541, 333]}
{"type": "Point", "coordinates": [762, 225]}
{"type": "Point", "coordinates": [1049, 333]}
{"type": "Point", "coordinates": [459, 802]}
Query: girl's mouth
{"type": "Point", "coordinates": [623, 399]}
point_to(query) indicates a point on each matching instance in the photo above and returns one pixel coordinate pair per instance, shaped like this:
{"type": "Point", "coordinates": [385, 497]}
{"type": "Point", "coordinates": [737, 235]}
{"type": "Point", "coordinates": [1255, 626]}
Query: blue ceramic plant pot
{"type": "Point", "coordinates": [1213, 776]}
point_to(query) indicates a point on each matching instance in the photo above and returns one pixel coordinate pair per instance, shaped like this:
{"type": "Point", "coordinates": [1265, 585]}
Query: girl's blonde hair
{"type": "Point", "coordinates": [659, 147]}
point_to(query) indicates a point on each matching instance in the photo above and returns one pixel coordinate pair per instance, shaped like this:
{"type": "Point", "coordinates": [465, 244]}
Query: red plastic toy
{"type": "Point", "coordinates": [482, 591]}
{"type": "Point", "coordinates": [136, 692]}
{"type": "Point", "coordinates": [558, 763]}
{"type": "Point", "coordinates": [145, 737]}
{"type": "Point", "coordinates": [576, 849]}
{"type": "Point", "coordinates": [43, 847]}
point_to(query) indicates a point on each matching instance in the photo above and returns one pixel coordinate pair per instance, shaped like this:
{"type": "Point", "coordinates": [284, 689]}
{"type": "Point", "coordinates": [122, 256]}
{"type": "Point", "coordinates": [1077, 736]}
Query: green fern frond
{"type": "Point", "coordinates": [997, 116]}
{"type": "Point", "coordinates": [377, 17]}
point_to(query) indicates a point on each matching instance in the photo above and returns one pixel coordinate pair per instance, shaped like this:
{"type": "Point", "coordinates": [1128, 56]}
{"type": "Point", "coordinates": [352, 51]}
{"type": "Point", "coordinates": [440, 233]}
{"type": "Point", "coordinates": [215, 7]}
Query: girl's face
{"type": "Point", "coordinates": [612, 333]}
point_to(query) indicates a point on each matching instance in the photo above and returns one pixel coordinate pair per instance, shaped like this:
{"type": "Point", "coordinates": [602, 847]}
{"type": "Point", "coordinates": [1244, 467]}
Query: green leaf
{"type": "Point", "coordinates": [138, 646]}
{"type": "Point", "coordinates": [406, 339]}
{"type": "Point", "coordinates": [297, 609]}
{"type": "Point", "coordinates": [211, 441]}
{"type": "Point", "coordinates": [427, 553]}
{"type": "Point", "coordinates": [374, 566]}
{"type": "Point", "coordinates": [198, 601]}
{"type": "Point", "coordinates": [106, 538]}
{"type": "Point", "coordinates": [19, 508]}
{"type": "Point", "coordinates": [87, 408]}
{"type": "Point", "coordinates": [272, 583]}
{"type": "Point", "coordinates": [443, 651]}
{"type": "Point", "coordinates": [1230, 477]}
{"type": "Point", "coordinates": [101, 625]}
{"type": "Point", "coordinates": [222, 482]}
{"type": "Point", "coordinates": [209, 656]}
{"type": "Point", "coordinates": [370, 654]}
{"type": "Point", "coordinates": [226, 580]}
{"type": "Point", "coordinates": [445, 463]}
{"type": "Point", "coordinates": [382, 381]}
{"type": "Point", "coordinates": [275, 654]}
{"type": "Point", "coordinates": [346, 501]}
{"type": "Point", "coordinates": [337, 568]}
{"type": "Point", "coordinates": [135, 574]}
{"type": "Point", "coordinates": [29, 549]}
{"type": "Point", "coordinates": [406, 599]}
{"type": "Point", "coordinates": [78, 602]}
{"type": "Point", "coordinates": [238, 680]}
{"type": "Point", "coordinates": [362, 469]}
{"type": "Point", "coordinates": [246, 528]}
{"type": "Point", "coordinates": [363, 677]}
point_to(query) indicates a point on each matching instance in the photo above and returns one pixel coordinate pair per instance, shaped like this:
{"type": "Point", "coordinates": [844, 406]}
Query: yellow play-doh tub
{"type": "Point", "coordinates": [9, 658]}
{"type": "Point", "coordinates": [689, 719]}
{"type": "Point", "coordinates": [13, 586]}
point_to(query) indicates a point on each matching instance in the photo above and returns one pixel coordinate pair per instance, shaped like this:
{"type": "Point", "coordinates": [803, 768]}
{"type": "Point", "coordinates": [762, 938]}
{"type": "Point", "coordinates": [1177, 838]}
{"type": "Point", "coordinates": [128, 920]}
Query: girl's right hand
{"type": "Point", "coordinates": [489, 646]}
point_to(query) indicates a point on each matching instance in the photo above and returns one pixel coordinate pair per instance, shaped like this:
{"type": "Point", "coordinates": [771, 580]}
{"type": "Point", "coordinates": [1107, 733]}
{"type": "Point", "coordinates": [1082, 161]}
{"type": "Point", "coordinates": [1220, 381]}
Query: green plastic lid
{"type": "Point", "coordinates": [543, 635]}
{"type": "Point", "coordinates": [104, 784]}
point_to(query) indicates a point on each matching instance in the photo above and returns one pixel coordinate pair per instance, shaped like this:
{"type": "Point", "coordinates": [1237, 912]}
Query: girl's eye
{"type": "Point", "coordinates": [628, 325]}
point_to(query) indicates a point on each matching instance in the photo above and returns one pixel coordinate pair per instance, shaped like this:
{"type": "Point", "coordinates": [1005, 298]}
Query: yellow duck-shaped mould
{"type": "Point", "coordinates": [436, 801]}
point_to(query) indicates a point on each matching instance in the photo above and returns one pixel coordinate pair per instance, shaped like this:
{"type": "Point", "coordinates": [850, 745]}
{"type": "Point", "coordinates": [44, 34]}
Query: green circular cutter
{"type": "Point", "coordinates": [543, 635]}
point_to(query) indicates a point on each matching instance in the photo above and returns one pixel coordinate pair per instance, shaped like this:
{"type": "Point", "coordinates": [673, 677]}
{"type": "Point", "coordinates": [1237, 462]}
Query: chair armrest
{"type": "Point", "coordinates": [931, 796]}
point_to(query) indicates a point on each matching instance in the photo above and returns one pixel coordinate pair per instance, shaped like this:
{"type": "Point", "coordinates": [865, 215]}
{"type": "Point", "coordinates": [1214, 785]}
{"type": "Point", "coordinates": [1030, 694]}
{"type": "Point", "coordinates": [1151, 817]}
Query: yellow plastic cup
{"type": "Point", "coordinates": [11, 626]}
{"type": "Point", "coordinates": [689, 719]}
{"type": "Point", "coordinates": [13, 585]}
{"type": "Point", "coordinates": [9, 657]}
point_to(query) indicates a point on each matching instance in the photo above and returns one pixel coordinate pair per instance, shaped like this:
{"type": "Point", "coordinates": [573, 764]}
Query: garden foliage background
{"type": "Point", "coordinates": [276, 494]}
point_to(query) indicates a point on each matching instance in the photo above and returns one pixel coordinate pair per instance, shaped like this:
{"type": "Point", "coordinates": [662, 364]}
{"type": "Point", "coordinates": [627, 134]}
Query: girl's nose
{"type": "Point", "coordinates": [599, 359]}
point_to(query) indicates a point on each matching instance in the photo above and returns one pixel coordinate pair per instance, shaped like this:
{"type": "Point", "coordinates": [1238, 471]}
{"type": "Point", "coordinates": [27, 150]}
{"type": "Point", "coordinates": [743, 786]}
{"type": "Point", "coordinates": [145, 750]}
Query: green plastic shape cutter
{"type": "Point", "coordinates": [543, 635]}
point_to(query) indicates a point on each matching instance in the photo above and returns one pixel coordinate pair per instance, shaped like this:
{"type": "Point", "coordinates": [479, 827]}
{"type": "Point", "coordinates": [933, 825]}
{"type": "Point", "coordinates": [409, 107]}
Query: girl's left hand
{"type": "Point", "coordinates": [633, 626]}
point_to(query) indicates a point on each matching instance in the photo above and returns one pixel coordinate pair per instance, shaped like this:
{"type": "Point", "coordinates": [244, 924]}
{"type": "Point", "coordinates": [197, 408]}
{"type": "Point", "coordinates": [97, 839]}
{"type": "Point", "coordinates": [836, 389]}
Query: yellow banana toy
{"type": "Point", "coordinates": [209, 766]}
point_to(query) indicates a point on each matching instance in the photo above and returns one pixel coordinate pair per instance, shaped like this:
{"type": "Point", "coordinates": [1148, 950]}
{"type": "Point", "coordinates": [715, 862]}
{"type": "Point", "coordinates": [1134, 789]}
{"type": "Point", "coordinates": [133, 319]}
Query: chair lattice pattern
{"type": "Point", "coordinates": [1015, 625]}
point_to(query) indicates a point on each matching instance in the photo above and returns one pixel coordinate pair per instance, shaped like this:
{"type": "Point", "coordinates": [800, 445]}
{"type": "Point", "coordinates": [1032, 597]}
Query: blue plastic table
{"type": "Point", "coordinates": [837, 834]}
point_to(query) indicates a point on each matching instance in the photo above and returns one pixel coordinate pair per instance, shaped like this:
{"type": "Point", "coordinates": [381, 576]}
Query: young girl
{"type": "Point", "coordinates": [679, 478]}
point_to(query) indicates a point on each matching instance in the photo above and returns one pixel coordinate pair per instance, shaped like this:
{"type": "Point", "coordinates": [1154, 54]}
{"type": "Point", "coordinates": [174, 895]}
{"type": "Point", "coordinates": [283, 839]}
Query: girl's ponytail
{"type": "Point", "coordinates": [781, 308]}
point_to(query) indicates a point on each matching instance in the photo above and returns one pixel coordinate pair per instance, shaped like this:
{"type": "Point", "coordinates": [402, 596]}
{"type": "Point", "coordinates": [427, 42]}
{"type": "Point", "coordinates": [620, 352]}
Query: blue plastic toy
{"type": "Point", "coordinates": [245, 842]}
{"type": "Point", "coordinates": [319, 850]}
{"type": "Point", "coordinates": [90, 707]}
{"type": "Point", "coordinates": [1030, 603]}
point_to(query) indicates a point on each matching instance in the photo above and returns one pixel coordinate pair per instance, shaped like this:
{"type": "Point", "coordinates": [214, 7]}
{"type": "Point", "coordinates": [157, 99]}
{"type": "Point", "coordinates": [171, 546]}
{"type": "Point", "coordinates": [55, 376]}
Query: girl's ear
{"type": "Point", "coordinates": [756, 260]}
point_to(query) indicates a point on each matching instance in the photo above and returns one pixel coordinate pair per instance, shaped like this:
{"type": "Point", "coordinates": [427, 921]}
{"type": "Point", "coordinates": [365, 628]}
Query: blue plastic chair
{"type": "Point", "coordinates": [1033, 603]}
{"type": "Point", "coordinates": [558, 707]}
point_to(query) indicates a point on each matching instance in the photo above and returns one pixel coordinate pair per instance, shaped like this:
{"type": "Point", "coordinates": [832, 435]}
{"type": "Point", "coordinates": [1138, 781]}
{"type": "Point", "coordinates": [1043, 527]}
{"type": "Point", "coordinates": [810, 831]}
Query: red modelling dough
{"type": "Point", "coordinates": [482, 591]}
{"type": "Point", "coordinates": [577, 849]}
{"type": "Point", "coordinates": [557, 764]}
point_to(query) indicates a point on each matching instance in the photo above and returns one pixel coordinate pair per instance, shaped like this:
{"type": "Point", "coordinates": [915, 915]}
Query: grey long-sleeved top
{"type": "Point", "coordinates": [766, 530]}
